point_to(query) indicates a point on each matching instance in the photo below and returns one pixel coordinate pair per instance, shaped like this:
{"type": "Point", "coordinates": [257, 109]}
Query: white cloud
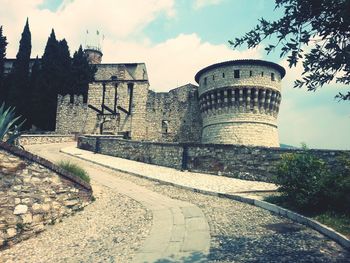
{"type": "Point", "coordinates": [117, 19]}
{"type": "Point", "coordinates": [171, 63]}
{"type": "Point", "coordinates": [175, 61]}
{"type": "Point", "coordinates": [202, 3]}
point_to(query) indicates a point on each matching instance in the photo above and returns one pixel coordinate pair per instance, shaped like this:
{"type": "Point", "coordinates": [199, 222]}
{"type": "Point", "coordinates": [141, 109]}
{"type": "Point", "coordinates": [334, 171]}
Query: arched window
{"type": "Point", "coordinates": [165, 127]}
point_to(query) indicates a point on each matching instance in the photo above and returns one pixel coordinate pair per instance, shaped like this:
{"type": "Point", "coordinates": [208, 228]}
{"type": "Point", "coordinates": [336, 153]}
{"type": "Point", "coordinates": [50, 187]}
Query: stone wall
{"type": "Point", "coordinates": [244, 162]}
{"type": "Point", "coordinates": [71, 117]}
{"type": "Point", "coordinates": [165, 117]}
{"type": "Point", "coordinates": [122, 83]}
{"type": "Point", "coordinates": [174, 116]}
{"type": "Point", "coordinates": [34, 193]}
{"type": "Point", "coordinates": [27, 139]}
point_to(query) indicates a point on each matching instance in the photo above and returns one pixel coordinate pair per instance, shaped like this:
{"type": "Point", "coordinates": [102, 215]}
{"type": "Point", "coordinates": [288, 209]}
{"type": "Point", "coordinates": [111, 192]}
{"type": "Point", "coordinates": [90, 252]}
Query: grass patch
{"type": "Point", "coordinates": [339, 222]}
{"type": "Point", "coordinates": [75, 170]}
{"type": "Point", "coordinates": [336, 220]}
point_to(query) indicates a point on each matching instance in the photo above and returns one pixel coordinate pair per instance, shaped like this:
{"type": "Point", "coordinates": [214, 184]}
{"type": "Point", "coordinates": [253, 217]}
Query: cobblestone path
{"type": "Point", "coordinates": [238, 232]}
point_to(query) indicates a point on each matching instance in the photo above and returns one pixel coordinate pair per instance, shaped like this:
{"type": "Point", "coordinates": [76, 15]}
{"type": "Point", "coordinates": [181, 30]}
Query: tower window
{"type": "Point", "coordinates": [165, 125]}
{"type": "Point", "coordinates": [236, 74]}
{"type": "Point", "coordinates": [223, 75]}
{"type": "Point", "coordinates": [205, 81]}
{"type": "Point", "coordinates": [250, 73]}
{"type": "Point", "coordinates": [213, 77]}
{"type": "Point", "coordinates": [272, 76]}
{"type": "Point", "coordinates": [262, 73]}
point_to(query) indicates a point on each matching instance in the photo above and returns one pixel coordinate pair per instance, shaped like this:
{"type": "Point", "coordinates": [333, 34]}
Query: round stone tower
{"type": "Point", "coordinates": [94, 54]}
{"type": "Point", "coordinates": [239, 102]}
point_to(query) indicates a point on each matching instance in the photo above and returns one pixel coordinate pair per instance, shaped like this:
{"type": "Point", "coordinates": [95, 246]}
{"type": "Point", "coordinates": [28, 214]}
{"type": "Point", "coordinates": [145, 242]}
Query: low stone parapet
{"type": "Point", "coordinates": [243, 162]}
{"type": "Point", "coordinates": [27, 139]}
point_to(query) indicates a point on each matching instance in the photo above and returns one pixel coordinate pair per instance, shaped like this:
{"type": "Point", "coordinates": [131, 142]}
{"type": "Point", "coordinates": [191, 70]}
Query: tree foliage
{"type": "Point", "coordinates": [82, 73]}
{"type": "Point", "coordinates": [324, 25]}
{"type": "Point", "coordinates": [18, 92]}
{"type": "Point", "coordinates": [3, 44]}
{"type": "Point", "coordinates": [34, 92]}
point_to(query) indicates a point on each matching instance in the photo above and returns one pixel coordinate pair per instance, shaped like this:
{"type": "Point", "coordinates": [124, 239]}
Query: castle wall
{"type": "Point", "coordinates": [238, 161]}
{"type": "Point", "coordinates": [174, 116]}
{"type": "Point", "coordinates": [122, 81]}
{"type": "Point", "coordinates": [242, 108]}
{"type": "Point", "coordinates": [71, 117]}
{"type": "Point", "coordinates": [77, 117]}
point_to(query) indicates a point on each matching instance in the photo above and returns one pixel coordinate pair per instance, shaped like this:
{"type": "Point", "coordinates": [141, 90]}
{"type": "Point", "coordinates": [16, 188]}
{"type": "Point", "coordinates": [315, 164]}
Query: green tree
{"type": "Point", "coordinates": [324, 25]}
{"type": "Point", "coordinates": [36, 97]}
{"type": "Point", "coordinates": [64, 64]}
{"type": "Point", "coordinates": [54, 80]}
{"type": "Point", "coordinates": [18, 92]}
{"type": "Point", "coordinates": [3, 44]}
{"type": "Point", "coordinates": [82, 73]}
{"type": "Point", "coordinates": [47, 88]}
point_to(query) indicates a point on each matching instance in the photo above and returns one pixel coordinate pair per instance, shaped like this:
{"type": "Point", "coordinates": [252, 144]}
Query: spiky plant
{"type": "Point", "coordinates": [9, 131]}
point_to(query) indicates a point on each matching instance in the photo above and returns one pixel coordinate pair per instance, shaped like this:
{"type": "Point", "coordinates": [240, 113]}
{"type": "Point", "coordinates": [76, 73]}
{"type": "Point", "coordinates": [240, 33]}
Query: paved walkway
{"type": "Point", "coordinates": [239, 232]}
{"type": "Point", "coordinates": [179, 229]}
{"type": "Point", "coordinates": [204, 182]}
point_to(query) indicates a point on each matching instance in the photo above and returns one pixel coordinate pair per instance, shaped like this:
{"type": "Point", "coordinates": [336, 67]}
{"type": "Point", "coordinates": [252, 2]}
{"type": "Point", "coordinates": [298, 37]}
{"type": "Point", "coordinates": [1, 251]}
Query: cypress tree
{"type": "Point", "coordinates": [55, 78]}
{"type": "Point", "coordinates": [3, 44]}
{"type": "Point", "coordinates": [64, 64]}
{"type": "Point", "coordinates": [36, 97]}
{"type": "Point", "coordinates": [48, 85]}
{"type": "Point", "coordinates": [82, 73]}
{"type": "Point", "coordinates": [19, 77]}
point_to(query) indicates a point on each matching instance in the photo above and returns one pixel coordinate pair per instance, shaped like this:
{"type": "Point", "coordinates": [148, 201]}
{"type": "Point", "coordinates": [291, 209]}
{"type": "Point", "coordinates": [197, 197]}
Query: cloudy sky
{"type": "Point", "coordinates": [176, 38]}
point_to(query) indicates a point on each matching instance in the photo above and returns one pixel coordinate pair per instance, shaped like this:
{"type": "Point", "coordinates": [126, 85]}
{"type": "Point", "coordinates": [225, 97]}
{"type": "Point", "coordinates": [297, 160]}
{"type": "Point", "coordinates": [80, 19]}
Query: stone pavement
{"type": "Point", "coordinates": [204, 182]}
{"type": "Point", "coordinates": [179, 229]}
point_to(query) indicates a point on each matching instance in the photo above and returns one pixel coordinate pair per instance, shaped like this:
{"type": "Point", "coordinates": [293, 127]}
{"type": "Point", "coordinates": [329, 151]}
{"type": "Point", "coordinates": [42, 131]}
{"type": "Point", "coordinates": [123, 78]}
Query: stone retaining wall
{"type": "Point", "coordinates": [27, 139]}
{"type": "Point", "coordinates": [244, 162]}
{"type": "Point", "coordinates": [34, 193]}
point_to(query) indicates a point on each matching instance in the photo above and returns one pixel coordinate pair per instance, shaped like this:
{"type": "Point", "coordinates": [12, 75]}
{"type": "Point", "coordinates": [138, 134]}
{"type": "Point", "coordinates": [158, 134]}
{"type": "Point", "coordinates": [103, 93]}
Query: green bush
{"type": "Point", "coordinates": [75, 170]}
{"type": "Point", "coordinates": [306, 183]}
{"type": "Point", "coordinates": [337, 185]}
{"type": "Point", "coordinates": [300, 177]}
{"type": "Point", "coordinates": [9, 131]}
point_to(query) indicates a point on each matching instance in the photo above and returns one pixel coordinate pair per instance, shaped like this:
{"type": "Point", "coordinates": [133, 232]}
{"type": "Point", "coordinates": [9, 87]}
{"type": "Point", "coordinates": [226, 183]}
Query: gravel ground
{"type": "Point", "coordinates": [245, 233]}
{"type": "Point", "coordinates": [110, 229]}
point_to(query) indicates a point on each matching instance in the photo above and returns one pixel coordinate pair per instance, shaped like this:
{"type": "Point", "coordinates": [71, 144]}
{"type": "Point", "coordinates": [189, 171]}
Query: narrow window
{"type": "Point", "coordinates": [165, 127]}
{"type": "Point", "coordinates": [236, 74]}
{"type": "Point", "coordinates": [213, 77]}
{"type": "Point", "coordinates": [262, 73]}
{"type": "Point", "coordinates": [250, 73]}
{"type": "Point", "coordinates": [223, 75]}
{"type": "Point", "coordinates": [205, 81]}
{"type": "Point", "coordinates": [272, 76]}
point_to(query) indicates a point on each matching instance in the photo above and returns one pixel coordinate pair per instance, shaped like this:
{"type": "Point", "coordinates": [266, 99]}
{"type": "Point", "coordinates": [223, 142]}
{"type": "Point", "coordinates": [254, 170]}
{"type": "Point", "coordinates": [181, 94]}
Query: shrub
{"type": "Point", "coordinates": [337, 185]}
{"type": "Point", "coordinates": [8, 130]}
{"type": "Point", "coordinates": [306, 183]}
{"type": "Point", "coordinates": [75, 170]}
{"type": "Point", "coordinates": [301, 180]}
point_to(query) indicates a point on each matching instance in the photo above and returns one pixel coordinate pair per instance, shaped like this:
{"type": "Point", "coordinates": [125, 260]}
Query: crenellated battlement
{"type": "Point", "coordinates": [66, 100]}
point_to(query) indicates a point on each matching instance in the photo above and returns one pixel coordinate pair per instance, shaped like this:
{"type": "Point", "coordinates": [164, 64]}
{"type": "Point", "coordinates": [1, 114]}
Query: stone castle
{"type": "Point", "coordinates": [237, 102]}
